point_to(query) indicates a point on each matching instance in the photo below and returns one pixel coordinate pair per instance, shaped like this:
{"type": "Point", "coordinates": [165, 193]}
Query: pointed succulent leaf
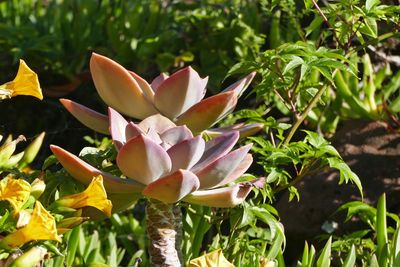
{"type": "Point", "coordinates": [207, 112]}
{"type": "Point", "coordinates": [118, 88]}
{"type": "Point", "coordinates": [143, 160]}
{"type": "Point", "coordinates": [179, 92]}
{"type": "Point", "coordinates": [31, 150]}
{"type": "Point", "coordinates": [132, 130]}
{"type": "Point", "coordinates": [216, 148]}
{"type": "Point", "coordinates": [158, 80]}
{"type": "Point", "coordinates": [240, 86]}
{"type": "Point", "coordinates": [120, 129]}
{"type": "Point", "coordinates": [84, 173]}
{"type": "Point", "coordinates": [173, 187]}
{"type": "Point", "coordinates": [175, 135]}
{"type": "Point", "coordinates": [225, 197]}
{"type": "Point", "coordinates": [244, 130]}
{"type": "Point", "coordinates": [186, 153]}
{"type": "Point", "coordinates": [243, 166]}
{"type": "Point", "coordinates": [216, 173]}
{"type": "Point", "coordinates": [144, 86]}
{"type": "Point", "coordinates": [157, 122]}
{"type": "Point", "coordinates": [88, 117]}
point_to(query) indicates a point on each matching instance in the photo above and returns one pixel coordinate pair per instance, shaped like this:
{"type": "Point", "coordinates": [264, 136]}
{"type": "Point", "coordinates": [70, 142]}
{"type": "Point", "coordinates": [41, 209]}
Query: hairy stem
{"type": "Point", "coordinates": [162, 234]}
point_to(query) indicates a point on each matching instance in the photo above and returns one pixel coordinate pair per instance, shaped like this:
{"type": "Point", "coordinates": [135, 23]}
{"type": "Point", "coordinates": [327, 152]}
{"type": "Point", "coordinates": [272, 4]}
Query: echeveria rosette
{"type": "Point", "coordinates": [179, 97]}
{"type": "Point", "coordinates": [168, 163]}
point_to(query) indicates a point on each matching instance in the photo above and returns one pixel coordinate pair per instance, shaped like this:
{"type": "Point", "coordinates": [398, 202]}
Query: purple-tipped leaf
{"type": "Point", "coordinates": [175, 135]}
{"type": "Point", "coordinates": [186, 153]}
{"type": "Point", "coordinates": [225, 197]}
{"type": "Point", "coordinates": [216, 148]}
{"type": "Point", "coordinates": [243, 166]}
{"type": "Point", "coordinates": [240, 86]}
{"type": "Point", "coordinates": [244, 130]}
{"type": "Point", "coordinates": [173, 187]}
{"type": "Point", "coordinates": [216, 173]}
{"type": "Point", "coordinates": [143, 160]}
{"type": "Point", "coordinates": [158, 80]}
{"type": "Point", "coordinates": [157, 122]}
{"type": "Point", "coordinates": [118, 88]}
{"type": "Point", "coordinates": [144, 86]}
{"type": "Point", "coordinates": [179, 92]}
{"type": "Point", "coordinates": [84, 173]}
{"type": "Point", "coordinates": [88, 117]}
{"type": "Point", "coordinates": [207, 112]}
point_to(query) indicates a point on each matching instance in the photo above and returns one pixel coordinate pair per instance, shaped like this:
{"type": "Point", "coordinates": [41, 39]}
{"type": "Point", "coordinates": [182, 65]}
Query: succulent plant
{"type": "Point", "coordinates": [178, 97]}
{"type": "Point", "coordinates": [166, 162]}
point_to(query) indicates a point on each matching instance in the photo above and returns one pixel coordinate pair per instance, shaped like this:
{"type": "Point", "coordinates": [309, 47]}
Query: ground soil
{"type": "Point", "coordinates": [373, 153]}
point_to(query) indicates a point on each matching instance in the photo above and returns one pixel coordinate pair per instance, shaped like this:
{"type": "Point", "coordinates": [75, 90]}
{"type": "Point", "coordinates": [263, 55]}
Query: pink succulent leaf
{"type": "Point", "coordinates": [158, 80]}
{"type": "Point", "coordinates": [118, 88]}
{"type": "Point", "coordinates": [132, 130]}
{"type": "Point", "coordinates": [216, 173]}
{"type": "Point", "coordinates": [240, 86]}
{"type": "Point", "coordinates": [157, 122]}
{"type": "Point", "coordinates": [173, 187]}
{"type": "Point", "coordinates": [208, 111]}
{"type": "Point", "coordinates": [225, 197]}
{"type": "Point", "coordinates": [143, 160]}
{"type": "Point", "coordinates": [118, 126]}
{"type": "Point", "coordinates": [175, 135]}
{"type": "Point", "coordinates": [87, 116]}
{"type": "Point", "coordinates": [245, 130]}
{"type": "Point", "coordinates": [186, 153]}
{"type": "Point", "coordinates": [179, 92]}
{"type": "Point", "coordinates": [84, 173]}
{"type": "Point", "coordinates": [216, 148]}
{"type": "Point", "coordinates": [244, 165]}
{"type": "Point", "coordinates": [154, 136]}
{"type": "Point", "coordinates": [144, 86]}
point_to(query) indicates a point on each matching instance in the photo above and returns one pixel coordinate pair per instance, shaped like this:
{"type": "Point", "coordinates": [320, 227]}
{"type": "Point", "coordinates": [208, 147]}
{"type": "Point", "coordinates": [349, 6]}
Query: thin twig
{"type": "Point", "coordinates": [327, 23]}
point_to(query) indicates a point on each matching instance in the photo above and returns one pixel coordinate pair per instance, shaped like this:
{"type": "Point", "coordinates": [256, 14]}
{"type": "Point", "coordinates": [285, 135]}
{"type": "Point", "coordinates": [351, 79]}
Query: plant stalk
{"type": "Point", "coordinates": [162, 234]}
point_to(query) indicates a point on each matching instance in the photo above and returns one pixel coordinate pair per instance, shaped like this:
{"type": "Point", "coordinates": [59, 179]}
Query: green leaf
{"type": "Point", "coordinates": [346, 174]}
{"type": "Point", "coordinates": [369, 4]}
{"type": "Point", "coordinates": [72, 245]}
{"type": "Point", "coordinates": [293, 63]}
{"type": "Point", "coordinates": [395, 248]}
{"type": "Point", "coordinates": [324, 259]}
{"type": "Point", "coordinates": [350, 260]}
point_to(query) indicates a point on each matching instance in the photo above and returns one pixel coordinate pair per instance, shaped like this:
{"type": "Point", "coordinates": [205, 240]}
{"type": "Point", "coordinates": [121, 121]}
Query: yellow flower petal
{"type": "Point", "coordinates": [15, 191]}
{"type": "Point", "coordinates": [212, 259]}
{"type": "Point", "coordinates": [25, 83]}
{"type": "Point", "coordinates": [41, 226]}
{"type": "Point", "coordinates": [94, 196]}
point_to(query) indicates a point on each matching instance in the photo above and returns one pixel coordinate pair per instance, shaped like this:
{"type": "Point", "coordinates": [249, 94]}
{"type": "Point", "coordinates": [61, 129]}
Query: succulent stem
{"type": "Point", "coordinates": [162, 234]}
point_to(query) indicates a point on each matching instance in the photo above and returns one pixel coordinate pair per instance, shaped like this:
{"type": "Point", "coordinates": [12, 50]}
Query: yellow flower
{"type": "Point", "coordinates": [41, 226]}
{"type": "Point", "coordinates": [25, 83]}
{"type": "Point", "coordinates": [15, 191]}
{"type": "Point", "coordinates": [94, 196]}
{"type": "Point", "coordinates": [212, 259]}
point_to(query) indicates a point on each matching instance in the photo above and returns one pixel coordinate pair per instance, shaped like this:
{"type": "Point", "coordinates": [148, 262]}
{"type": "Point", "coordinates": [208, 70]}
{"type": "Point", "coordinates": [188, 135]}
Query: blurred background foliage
{"type": "Point", "coordinates": [318, 64]}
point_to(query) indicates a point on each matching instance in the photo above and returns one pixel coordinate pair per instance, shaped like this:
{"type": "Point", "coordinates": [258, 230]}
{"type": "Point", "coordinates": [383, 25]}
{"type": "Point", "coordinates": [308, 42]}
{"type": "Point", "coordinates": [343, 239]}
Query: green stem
{"type": "Point", "coordinates": [304, 115]}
